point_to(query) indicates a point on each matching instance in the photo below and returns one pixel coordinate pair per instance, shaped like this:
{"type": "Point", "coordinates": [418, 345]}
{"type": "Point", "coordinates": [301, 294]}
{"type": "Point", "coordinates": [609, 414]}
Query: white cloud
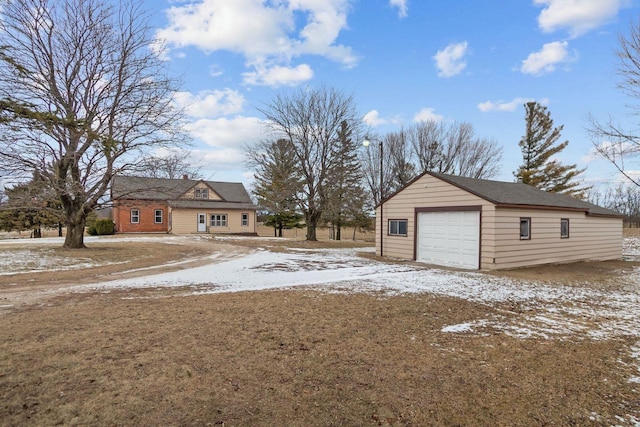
{"type": "Point", "coordinates": [426, 115]}
{"type": "Point", "coordinates": [215, 70]}
{"type": "Point", "coordinates": [278, 76]}
{"type": "Point", "coordinates": [373, 119]}
{"type": "Point", "coordinates": [547, 59]}
{"type": "Point", "coordinates": [227, 133]}
{"type": "Point", "coordinates": [402, 7]}
{"type": "Point", "coordinates": [211, 103]}
{"type": "Point", "coordinates": [488, 106]}
{"type": "Point", "coordinates": [577, 16]}
{"type": "Point", "coordinates": [221, 158]}
{"type": "Point", "coordinates": [450, 61]}
{"type": "Point", "coordinates": [263, 32]}
{"type": "Point", "coordinates": [612, 150]}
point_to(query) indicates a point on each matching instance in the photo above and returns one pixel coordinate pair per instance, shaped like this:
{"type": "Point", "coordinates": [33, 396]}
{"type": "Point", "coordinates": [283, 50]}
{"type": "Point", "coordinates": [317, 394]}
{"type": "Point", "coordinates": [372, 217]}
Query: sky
{"type": "Point", "coordinates": [403, 61]}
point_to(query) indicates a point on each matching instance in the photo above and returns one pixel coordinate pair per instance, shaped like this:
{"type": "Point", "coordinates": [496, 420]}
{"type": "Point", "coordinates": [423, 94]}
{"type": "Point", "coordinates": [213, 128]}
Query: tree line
{"type": "Point", "coordinates": [314, 167]}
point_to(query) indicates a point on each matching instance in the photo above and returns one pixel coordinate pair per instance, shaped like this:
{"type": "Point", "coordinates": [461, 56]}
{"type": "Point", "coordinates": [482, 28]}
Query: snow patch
{"type": "Point", "coordinates": [461, 327]}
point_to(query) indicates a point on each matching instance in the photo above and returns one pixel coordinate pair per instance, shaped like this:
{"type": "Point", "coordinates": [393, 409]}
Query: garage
{"type": "Point", "coordinates": [449, 238]}
{"type": "Point", "coordinates": [473, 224]}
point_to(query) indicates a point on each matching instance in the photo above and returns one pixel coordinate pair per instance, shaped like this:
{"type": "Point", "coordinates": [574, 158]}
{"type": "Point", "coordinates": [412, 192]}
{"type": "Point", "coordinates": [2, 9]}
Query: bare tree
{"type": "Point", "coordinates": [428, 146]}
{"type": "Point", "coordinates": [454, 149]}
{"type": "Point", "coordinates": [427, 142]}
{"type": "Point", "coordinates": [624, 199]}
{"type": "Point", "coordinates": [97, 95]}
{"type": "Point", "coordinates": [617, 143]}
{"type": "Point", "coordinates": [371, 162]}
{"type": "Point", "coordinates": [310, 119]}
{"type": "Point", "coordinates": [173, 165]}
{"type": "Point", "coordinates": [400, 159]}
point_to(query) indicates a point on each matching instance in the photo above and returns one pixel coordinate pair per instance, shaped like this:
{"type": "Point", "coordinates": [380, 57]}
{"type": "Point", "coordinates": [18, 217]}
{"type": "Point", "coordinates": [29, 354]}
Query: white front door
{"type": "Point", "coordinates": [449, 238]}
{"type": "Point", "coordinates": [202, 223]}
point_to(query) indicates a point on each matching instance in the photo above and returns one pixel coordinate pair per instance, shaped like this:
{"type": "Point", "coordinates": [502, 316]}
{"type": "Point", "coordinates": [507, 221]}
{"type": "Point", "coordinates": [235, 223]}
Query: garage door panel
{"type": "Point", "coordinates": [449, 238]}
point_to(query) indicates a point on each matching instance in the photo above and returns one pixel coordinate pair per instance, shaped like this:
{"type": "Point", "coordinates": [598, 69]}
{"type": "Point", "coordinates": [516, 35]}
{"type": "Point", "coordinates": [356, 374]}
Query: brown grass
{"type": "Point", "coordinates": [295, 358]}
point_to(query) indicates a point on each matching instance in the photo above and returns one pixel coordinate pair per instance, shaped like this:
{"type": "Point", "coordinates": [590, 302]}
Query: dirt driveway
{"type": "Point", "coordinates": [33, 269]}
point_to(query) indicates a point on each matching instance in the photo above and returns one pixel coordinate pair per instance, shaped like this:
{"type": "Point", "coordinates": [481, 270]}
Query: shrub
{"type": "Point", "coordinates": [101, 227]}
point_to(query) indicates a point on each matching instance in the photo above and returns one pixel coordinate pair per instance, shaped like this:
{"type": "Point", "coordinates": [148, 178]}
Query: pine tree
{"type": "Point", "coordinates": [31, 206]}
{"type": "Point", "coordinates": [345, 197]}
{"type": "Point", "coordinates": [277, 182]}
{"type": "Point", "coordinates": [539, 145]}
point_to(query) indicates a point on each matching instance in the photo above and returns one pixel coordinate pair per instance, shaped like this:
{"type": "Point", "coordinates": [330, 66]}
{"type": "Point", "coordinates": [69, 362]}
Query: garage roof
{"type": "Point", "coordinates": [518, 194]}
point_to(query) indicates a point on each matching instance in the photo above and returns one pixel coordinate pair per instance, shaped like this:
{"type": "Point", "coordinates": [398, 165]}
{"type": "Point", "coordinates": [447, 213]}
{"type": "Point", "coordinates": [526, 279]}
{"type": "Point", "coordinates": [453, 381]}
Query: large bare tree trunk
{"type": "Point", "coordinates": [311, 233]}
{"type": "Point", "coordinates": [75, 235]}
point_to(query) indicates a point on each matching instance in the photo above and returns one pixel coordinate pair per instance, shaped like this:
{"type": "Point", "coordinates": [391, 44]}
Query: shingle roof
{"type": "Point", "coordinates": [514, 193]}
{"type": "Point", "coordinates": [135, 187]}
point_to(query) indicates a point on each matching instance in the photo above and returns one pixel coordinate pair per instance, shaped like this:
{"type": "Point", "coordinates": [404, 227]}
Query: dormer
{"type": "Point", "coordinates": [201, 191]}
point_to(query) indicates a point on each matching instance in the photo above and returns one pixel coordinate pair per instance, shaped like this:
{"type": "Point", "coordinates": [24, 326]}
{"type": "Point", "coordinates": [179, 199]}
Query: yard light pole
{"type": "Point", "coordinates": [366, 143]}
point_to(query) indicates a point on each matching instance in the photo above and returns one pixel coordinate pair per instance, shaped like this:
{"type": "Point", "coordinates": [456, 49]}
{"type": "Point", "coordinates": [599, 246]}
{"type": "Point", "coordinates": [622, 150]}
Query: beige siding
{"type": "Point", "coordinates": [590, 238]}
{"type": "Point", "coordinates": [191, 194]}
{"type": "Point", "coordinates": [426, 192]}
{"type": "Point", "coordinates": [184, 221]}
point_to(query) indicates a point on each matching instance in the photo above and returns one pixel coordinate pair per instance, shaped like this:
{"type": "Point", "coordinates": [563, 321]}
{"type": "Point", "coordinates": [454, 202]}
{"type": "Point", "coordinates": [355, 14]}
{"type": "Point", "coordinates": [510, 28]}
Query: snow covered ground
{"type": "Point", "coordinates": [547, 311]}
{"type": "Point", "coordinates": [561, 311]}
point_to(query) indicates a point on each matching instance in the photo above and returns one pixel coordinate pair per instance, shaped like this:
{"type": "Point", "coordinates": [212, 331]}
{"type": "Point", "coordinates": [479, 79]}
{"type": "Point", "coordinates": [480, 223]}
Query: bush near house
{"type": "Point", "coordinates": [101, 227]}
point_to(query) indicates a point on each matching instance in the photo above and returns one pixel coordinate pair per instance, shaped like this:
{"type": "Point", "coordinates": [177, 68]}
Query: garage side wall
{"type": "Point", "coordinates": [590, 238]}
{"type": "Point", "coordinates": [429, 192]}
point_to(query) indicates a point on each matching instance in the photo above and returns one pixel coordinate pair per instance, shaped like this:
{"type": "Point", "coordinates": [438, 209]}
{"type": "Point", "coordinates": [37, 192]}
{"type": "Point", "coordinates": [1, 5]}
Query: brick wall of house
{"type": "Point", "coordinates": [146, 208]}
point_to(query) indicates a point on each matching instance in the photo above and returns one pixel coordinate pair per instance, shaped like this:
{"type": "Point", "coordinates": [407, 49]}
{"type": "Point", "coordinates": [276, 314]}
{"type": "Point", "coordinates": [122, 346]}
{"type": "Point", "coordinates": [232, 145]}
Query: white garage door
{"type": "Point", "coordinates": [449, 238]}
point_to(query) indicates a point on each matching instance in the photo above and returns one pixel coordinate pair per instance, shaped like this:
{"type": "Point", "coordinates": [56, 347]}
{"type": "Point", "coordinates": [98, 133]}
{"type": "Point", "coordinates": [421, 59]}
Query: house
{"type": "Point", "coordinates": [481, 224]}
{"type": "Point", "coordinates": [181, 206]}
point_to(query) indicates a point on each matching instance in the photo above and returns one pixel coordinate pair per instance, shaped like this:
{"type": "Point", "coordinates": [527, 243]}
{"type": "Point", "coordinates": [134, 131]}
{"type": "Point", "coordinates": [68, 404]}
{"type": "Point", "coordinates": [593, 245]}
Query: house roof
{"type": "Point", "coordinates": [210, 204]}
{"type": "Point", "coordinates": [520, 195]}
{"type": "Point", "coordinates": [135, 187]}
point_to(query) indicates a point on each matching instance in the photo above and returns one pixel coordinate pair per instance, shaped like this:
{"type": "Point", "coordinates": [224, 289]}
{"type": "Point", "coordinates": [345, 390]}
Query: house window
{"type": "Point", "coordinates": [135, 216]}
{"type": "Point", "coordinates": [158, 216]}
{"type": "Point", "coordinates": [219, 220]}
{"type": "Point", "coordinates": [525, 228]}
{"type": "Point", "coordinates": [398, 227]}
{"type": "Point", "coordinates": [202, 193]}
{"type": "Point", "coordinates": [564, 228]}
{"type": "Point", "coordinates": [245, 219]}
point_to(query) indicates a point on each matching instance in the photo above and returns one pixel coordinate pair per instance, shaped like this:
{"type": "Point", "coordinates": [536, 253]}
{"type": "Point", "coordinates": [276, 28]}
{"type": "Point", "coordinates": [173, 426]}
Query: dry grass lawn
{"type": "Point", "coordinates": [294, 358]}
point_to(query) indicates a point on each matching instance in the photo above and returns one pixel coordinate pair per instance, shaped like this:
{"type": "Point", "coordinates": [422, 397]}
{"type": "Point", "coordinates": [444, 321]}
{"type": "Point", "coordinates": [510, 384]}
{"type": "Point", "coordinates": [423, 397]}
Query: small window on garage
{"type": "Point", "coordinates": [398, 227]}
{"type": "Point", "coordinates": [158, 216]}
{"type": "Point", "coordinates": [245, 219]}
{"type": "Point", "coordinates": [135, 216]}
{"type": "Point", "coordinates": [525, 228]}
{"type": "Point", "coordinates": [564, 228]}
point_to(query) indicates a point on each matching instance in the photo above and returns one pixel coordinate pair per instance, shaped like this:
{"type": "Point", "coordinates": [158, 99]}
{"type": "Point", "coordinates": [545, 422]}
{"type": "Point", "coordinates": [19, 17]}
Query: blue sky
{"type": "Point", "coordinates": [403, 60]}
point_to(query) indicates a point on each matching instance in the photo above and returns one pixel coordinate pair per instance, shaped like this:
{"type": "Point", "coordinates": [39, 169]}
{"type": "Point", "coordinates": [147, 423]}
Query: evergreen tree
{"type": "Point", "coordinates": [345, 196]}
{"type": "Point", "coordinates": [539, 145]}
{"type": "Point", "coordinates": [31, 206]}
{"type": "Point", "coordinates": [277, 182]}
{"type": "Point", "coordinates": [282, 220]}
